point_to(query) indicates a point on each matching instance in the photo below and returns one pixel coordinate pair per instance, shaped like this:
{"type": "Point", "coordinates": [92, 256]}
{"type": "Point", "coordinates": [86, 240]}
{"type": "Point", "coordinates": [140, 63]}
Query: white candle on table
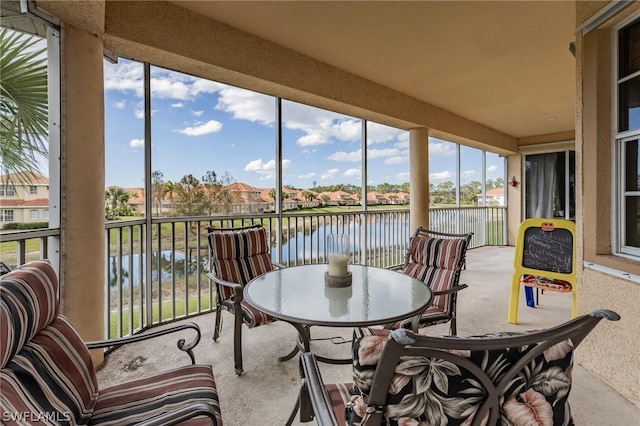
{"type": "Point", "coordinates": [338, 264]}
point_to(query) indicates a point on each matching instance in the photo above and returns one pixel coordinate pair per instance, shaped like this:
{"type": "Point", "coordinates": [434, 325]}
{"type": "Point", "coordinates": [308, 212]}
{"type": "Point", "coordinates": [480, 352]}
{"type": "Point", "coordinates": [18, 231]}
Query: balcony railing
{"type": "Point", "coordinates": [169, 282]}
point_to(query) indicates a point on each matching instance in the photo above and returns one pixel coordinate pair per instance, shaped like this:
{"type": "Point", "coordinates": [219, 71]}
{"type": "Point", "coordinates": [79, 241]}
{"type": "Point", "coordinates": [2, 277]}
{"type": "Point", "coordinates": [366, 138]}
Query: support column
{"type": "Point", "coordinates": [419, 182]}
{"type": "Point", "coordinates": [82, 269]}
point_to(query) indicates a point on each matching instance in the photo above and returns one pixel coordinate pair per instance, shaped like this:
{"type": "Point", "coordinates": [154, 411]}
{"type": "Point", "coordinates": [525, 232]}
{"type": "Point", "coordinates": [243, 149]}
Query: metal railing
{"type": "Point", "coordinates": [20, 247]}
{"type": "Point", "coordinates": [175, 285]}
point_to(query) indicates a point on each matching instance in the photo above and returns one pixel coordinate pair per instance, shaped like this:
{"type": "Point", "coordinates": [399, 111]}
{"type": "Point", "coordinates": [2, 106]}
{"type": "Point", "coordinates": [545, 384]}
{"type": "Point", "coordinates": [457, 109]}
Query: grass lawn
{"type": "Point", "coordinates": [166, 314]}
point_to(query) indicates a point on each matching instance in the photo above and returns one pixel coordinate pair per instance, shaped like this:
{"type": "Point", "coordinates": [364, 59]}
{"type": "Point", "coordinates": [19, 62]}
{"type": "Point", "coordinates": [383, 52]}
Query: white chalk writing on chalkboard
{"type": "Point", "coordinates": [548, 250]}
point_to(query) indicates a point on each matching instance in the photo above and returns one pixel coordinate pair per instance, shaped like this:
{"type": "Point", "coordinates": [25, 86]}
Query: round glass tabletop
{"type": "Point", "coordinates": [376, 296]}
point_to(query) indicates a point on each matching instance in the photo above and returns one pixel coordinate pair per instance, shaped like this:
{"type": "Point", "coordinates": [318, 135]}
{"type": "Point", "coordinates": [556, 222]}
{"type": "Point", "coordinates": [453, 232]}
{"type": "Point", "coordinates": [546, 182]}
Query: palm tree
{"type": "Point", "coordinates": [116, 202]}
{"type": "Point", "coordinates": [23, 104]}
{"type": "Point", "coordinates": [170, 189]}
{"type": "Point", "coordinates": [157, 190]}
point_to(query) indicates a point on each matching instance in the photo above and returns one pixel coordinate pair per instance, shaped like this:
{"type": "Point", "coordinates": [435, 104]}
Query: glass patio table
{"type": "Point", "coordinates": [299, 296]}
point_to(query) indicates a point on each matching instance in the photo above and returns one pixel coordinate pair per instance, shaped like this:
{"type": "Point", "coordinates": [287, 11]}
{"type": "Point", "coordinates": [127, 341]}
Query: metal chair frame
{"type": "Point", "coordinates": [314, 400]}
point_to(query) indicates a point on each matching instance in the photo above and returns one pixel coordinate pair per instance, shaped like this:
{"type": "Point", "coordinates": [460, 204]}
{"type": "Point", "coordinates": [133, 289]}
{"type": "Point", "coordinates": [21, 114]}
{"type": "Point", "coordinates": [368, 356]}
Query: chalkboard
{"type": "Point", "coordinates": [550, 251]}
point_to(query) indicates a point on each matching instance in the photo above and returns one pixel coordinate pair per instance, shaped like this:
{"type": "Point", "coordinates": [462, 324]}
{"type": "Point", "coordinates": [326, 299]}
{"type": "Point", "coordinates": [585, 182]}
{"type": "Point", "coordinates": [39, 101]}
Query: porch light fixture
{"type": "Point", "coordinates": [514, 182]}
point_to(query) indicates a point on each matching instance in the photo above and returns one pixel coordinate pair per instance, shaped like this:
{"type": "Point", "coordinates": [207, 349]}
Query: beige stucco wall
{"type": "Point", "coordinates": [83, 236]}
{"type": "Point", "coordinates": [611, 350]}
{"type": "Point", "coordinates": [514, 198]}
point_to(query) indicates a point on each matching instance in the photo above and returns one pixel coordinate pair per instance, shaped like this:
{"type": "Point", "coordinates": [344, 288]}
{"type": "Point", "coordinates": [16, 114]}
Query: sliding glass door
{"type": "Point", "coordinates": [550, 183]}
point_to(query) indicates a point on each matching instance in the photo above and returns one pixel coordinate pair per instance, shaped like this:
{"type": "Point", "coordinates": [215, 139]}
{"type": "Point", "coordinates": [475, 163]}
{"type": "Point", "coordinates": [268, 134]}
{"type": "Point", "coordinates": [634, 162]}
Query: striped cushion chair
{"type": "Point", "coordinates": [48, 377]}
{"type": "Point", "coordinates": [238, 255]}
{"type": "Point", "coordinates": [437, 259]}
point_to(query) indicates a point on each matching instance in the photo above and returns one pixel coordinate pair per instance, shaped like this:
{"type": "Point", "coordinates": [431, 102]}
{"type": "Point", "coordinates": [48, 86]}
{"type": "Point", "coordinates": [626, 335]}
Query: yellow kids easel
{"type": "Point", "coordinates": [545, 248]}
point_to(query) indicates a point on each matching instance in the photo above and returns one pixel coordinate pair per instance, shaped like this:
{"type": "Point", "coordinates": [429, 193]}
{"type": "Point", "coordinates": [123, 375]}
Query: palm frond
{"type": "Point", "coordinates": [23, 103]}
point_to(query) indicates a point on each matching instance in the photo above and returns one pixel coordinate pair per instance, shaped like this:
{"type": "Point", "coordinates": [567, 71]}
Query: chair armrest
{"type": "Point", "coordinates": [182, 345]}
{"type": "Point", "coordinates": [278, 265]}
{"type": "Point", "coordinates": [450, 290]}
{"type": "Point", "coordinates": [313, 391]}
{"type": "Point", "coordinates": [237, 288]}
{"type": "Point", "coordinates": [181, 414]}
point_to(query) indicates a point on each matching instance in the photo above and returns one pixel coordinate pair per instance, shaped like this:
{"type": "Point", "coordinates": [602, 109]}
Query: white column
{"type": "Point", "coordinates": [419, 182]}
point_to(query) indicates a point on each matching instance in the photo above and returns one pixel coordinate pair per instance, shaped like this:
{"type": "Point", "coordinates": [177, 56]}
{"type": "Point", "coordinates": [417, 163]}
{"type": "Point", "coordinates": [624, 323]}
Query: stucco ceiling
{"type": "Point", "coordinates": [506, 65]}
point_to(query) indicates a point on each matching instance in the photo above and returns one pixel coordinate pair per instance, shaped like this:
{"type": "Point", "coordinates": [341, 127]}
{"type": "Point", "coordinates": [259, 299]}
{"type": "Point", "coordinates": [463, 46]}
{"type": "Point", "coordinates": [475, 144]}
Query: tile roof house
{"type": "Point", "coordinates": [24, 202]}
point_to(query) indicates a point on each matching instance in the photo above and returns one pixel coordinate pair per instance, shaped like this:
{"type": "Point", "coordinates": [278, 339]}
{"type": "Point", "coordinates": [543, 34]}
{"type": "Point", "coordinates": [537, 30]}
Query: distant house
{"type": "Point", "coordinates": [403, 198]}
{"type": "Point", "coordinates": [495, 197]}
{"type": "Point", "coordinates": [24, 202]}
{"type": "Point", "coordinates": [136, 199]}
{"type": "Point", "coordinates": [247, 198]}
{"type": "Point", "coordinates": [374, 198]}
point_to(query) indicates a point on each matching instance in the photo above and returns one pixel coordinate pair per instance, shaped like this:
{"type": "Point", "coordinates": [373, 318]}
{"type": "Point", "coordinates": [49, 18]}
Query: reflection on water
{"type": "Point", "coordinates": [305, 246]}
{"type": "Point", "coordinates": [159, 266]}
{"type": "Point", "coordinates": [302, 245]}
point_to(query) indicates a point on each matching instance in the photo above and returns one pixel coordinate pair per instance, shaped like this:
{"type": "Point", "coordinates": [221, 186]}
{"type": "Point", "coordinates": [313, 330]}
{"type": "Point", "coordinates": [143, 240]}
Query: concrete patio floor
{"type": "Point", "coordinates": [266, 392]}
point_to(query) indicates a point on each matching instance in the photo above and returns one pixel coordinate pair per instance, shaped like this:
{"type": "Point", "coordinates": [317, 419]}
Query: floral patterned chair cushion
{"type": "Point", "coordinates": [433, 391]}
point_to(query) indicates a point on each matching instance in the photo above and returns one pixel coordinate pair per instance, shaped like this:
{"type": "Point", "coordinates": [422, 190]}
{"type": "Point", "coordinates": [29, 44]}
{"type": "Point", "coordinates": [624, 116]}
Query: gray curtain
{"type": "Point", "coordinates": [541, 184]}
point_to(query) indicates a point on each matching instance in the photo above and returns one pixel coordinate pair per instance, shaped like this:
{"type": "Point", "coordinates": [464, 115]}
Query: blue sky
{"type": "Point", "coordinates": [200, 125]}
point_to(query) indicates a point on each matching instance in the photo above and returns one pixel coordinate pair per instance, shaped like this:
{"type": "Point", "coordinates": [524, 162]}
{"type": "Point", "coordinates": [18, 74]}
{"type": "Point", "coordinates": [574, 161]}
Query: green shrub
{"type": "Point", "coordinates": [25, 225]}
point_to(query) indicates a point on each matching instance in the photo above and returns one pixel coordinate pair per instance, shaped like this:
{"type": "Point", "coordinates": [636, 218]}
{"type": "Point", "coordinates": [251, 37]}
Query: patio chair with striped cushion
{"type": "Point", "coordinates": [48, 377]}
{"type": "Point", "coordinates": [237, 255]}
{"type": "Point", "coordinates": [437, 258]}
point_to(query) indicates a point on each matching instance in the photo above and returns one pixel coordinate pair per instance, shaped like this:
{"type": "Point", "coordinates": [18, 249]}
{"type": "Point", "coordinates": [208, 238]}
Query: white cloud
{"type": "Point", "coordinates": [319, 126]}
{"type": "Point", "coordinates": [307, 176]}
{"type": "Point", "coordinates": [197, 113]}
{"type": "Point", "coordinates": [136, 143]}
{"type": "Point", "coordinates": [404, 144]}
{"type": "Point", "coordinates": [446, 149]}
{"type": "Point", "coordinates": [329, 174]}
{"type": "Point", "coordinates": [352, 173]}
{"type": "Point", "coordinates": [398, 159]}
{"type": "Point", "coordinates": [312, 139]}
{"type": "Point", "coordinates": [258, 165]}
{"type": "Point", "coordinates": [247, 105]}
{"type": "Point", "coordinates": [266, 169]}
{"type": "Point", "coordinates": [346, 156]}
{"type": "Point", "coordinates": [138, 111]}
{"type": "Point", "coordinates": [377, 133]}
{"type": "Point", "coordinates": [468, 173]}
{"type": "Point", "coordinates": [169, 89]}
{"type": "Point", "coordinates": [120, 104]}
{"type": "Point", "coordinates": [372, 154]}
{"type": "Point", "coordinates": [128, 76]}
{"type": "Point", "coordinates": [492, 168]}
{"type": "Point", "coordinates": [445, 175]}
{"type": "Point", "coordinates": [347, 130]}
{"type": "Point", "coordinates": [382, 153]}
{"type": "Point", "coordinates": [211, 126]}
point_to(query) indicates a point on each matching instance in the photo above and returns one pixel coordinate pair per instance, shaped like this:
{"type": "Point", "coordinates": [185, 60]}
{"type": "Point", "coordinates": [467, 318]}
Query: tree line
{"type": "Point", "coordinates": [191, 196]}
{"type": "Point", "coordinates": [210, 195]}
